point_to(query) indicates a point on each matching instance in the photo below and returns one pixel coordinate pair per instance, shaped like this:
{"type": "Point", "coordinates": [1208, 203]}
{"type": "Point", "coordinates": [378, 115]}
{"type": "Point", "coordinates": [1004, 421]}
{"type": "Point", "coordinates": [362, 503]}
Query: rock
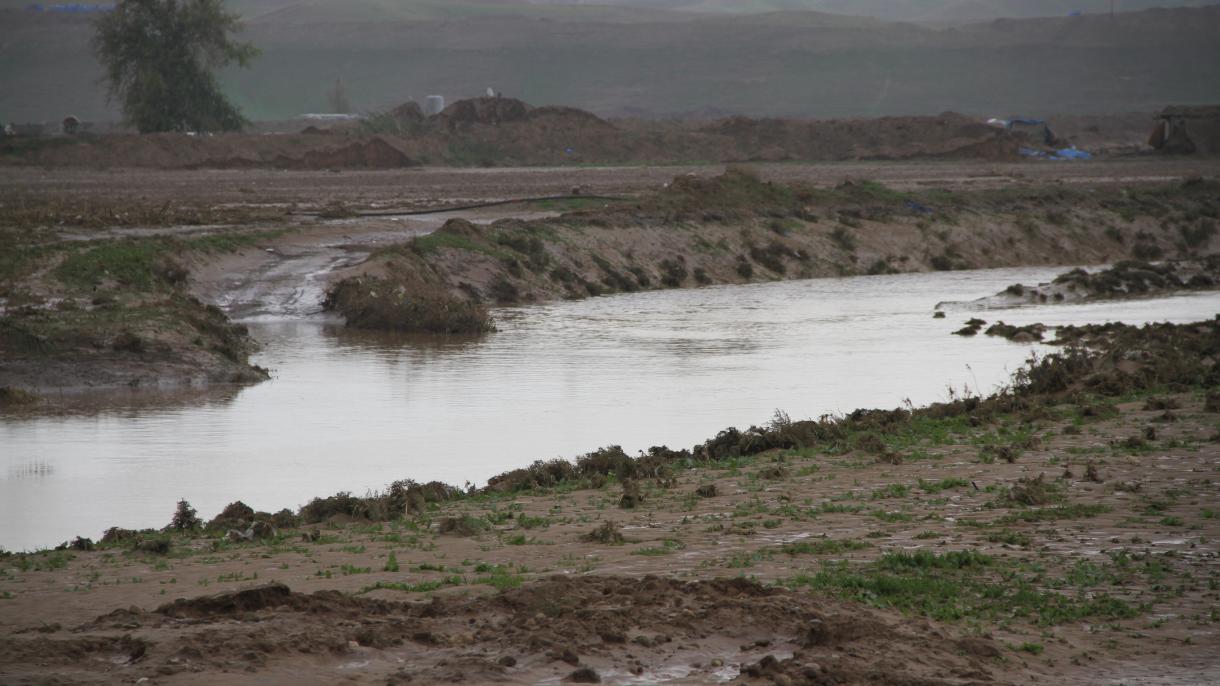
{"type": "Point", "coordinates": [261, 530]}
{"type": "Point", "coordinates": [584, 675]}
{"type": "Point", "coordinates": [235, 536]}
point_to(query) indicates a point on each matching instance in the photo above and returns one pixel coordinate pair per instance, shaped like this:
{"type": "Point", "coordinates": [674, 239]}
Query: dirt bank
{"type": "Point", "coordinates": [1127, 279]}
{"type": "Point", "coordinates": [1057, 532]}
{"type": "Point", "coordinates": [78, 315]}
{"type": "Point", "coordinates": [738, 228]}
{"type": "Point", "coordinates": [143, 245]}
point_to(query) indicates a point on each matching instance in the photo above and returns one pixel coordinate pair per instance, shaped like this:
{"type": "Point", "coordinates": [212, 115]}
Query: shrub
{"type": "Point", "coordinates": [185, 518]}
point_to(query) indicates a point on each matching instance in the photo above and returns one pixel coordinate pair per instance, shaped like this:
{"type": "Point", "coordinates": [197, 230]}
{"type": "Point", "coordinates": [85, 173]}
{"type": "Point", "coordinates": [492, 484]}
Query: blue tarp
{"type": "Point", "coordinates": [1064, 154]}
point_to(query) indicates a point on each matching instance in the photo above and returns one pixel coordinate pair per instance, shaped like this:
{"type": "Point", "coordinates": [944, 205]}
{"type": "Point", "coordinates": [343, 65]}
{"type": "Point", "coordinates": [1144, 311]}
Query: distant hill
{"type": "Point", "coordinates": [653, 61]}
{"type": "Point", "coordinates": [928, 11]}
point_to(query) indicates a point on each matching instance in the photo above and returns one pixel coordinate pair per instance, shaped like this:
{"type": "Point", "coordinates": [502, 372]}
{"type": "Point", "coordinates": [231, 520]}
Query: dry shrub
{"type": "Point", "coordinates": [1036, 491]}
{"type": "Point", "coordinates": [632, 497]}
{"type": "Point", "coordinates": [606, 534]}
{"type": "Point", "coordinates": [461, 526]}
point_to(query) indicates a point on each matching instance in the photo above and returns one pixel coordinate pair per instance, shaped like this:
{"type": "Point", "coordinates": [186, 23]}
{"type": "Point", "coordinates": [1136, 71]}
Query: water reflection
{"type": "Point", "coordinates": [34, 469]}
{"type": "Point", "coordinates": [355, 411]}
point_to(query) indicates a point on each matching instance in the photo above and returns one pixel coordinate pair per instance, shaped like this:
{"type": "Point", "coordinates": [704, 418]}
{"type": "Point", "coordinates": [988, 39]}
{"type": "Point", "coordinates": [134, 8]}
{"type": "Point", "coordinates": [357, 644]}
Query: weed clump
{"type": "Point", "coordinates": [15, 397]}
{"type": "Point", "coordinates": [1037, 491]}
{"type": "Point", "coordinates": [972, 327]}
{"type": "Point", "coordinates": [632, 497]}
{"type": "Point", "coordinates": [606, 534]}
{"type": "Point", "coordinates": [461, 526]}
{"type": "Point", "coordinates": [673, 271]}
{"type": "Point", "coordinates": [1020, 334]}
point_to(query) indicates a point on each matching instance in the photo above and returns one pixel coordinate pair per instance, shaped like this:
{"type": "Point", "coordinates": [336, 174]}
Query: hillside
{"type": "Point", "coordinates": [929, 11]}
{"type": "Point", "coordinates": [616, 61]}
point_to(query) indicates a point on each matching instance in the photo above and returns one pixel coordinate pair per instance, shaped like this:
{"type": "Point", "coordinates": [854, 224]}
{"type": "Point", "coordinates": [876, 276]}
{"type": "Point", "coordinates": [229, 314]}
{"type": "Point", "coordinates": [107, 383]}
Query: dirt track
{"type": "Point", "coordinates": [427, 186]}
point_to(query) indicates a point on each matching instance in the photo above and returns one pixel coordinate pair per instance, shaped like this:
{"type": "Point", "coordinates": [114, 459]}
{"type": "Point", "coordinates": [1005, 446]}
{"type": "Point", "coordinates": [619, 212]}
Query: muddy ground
{"type": "Point", "coordinates": [113, 275]}
{"type": "Point", "coordinates": [1088, 556]}
{"type": "Point", "coordinates": [429, 186]}
{"type": "Point", "coordinates": [1070, 540]}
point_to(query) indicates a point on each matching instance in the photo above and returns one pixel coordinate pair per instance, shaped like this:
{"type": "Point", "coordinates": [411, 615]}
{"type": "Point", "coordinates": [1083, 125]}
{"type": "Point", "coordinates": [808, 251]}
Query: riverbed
{"type": "Point", "coordinates": [354, 411]}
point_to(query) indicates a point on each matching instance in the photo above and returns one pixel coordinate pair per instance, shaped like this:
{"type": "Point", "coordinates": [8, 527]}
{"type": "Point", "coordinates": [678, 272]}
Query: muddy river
{"type": "Point", "coordinates": [354, 412]}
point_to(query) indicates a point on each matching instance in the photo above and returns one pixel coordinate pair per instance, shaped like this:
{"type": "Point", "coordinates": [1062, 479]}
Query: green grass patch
{"type": "Point", "coordinates": [667, 546]}
{"type": "Point", "coordinates": [1056, 513]}
{"type": "Point", "coordinates": [942, 485]}
{"type": "Point", "coordinates": [958, 585]}
{"type": "Point", "coordinates": [826, 546]}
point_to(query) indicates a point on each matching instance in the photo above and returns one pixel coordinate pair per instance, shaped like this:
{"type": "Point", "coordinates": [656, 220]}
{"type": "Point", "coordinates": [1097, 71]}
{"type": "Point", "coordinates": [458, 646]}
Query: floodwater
{"type": "Point", "coordinates": [354, 412]}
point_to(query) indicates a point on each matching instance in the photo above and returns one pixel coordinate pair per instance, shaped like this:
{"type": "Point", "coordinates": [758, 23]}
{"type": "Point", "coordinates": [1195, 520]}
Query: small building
{"type": "Point", "coordinates": [1187, 130]}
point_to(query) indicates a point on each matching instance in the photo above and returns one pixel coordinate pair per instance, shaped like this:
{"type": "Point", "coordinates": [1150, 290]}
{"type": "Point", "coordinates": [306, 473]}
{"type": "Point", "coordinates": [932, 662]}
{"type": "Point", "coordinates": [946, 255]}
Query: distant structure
{"type": "Point", "coordinates": [1187, 130]}
{"type": "Point", "coordinates": [434, 104]}
{"type": "Point", "coordinates": [327, 116]}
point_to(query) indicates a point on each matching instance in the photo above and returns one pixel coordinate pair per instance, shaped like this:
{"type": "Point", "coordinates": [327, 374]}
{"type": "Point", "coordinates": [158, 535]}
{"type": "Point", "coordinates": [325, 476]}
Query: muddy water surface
{"type": "Point", "coordinates": [354, 412]}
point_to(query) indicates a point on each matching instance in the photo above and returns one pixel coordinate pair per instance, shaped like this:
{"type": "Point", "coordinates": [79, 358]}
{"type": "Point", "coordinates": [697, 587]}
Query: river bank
{"type": "Point", "coordinates": [111, 303]}
{"type": "Point", "coordinates": [738, 228]}
{"type": "Point", "coordinates": [1061, 530]}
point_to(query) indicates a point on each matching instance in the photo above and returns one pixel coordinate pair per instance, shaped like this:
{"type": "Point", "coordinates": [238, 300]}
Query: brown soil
{"type": "Point", "coordinates": [671, 603]}
{"type": "Point", "coordinates": [739, 228]}
{"type": "Point", "coordinates": [505, 132]}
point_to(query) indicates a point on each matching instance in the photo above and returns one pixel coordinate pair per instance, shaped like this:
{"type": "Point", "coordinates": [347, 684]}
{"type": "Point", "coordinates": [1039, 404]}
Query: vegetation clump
{"type": "Point", "coordinates": [383, 304]}
{"type": "Point", "coordinates": [1020, 334]}
{"type": "Point", "coordinates": [972, 327]}
{"type": "Point", "coordinates": [606, 534]}
{"type": "Point", "coordinates": [185, 518]}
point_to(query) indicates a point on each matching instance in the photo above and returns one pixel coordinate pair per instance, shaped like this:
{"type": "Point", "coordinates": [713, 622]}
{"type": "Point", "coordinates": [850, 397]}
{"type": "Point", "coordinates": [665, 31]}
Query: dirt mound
{"type": "Point", "coordinates": [567, 116]}
{"type": "Point", "coordinates": [947, 134]}
{"type": "Point", "coordinates": [307, 150]}
{"type": "Point", "coordinates": [273, 596]}
{"type": "Point", "coordinates": [486, 111]}
{"type": "Point", "coordinates": [616, 627]}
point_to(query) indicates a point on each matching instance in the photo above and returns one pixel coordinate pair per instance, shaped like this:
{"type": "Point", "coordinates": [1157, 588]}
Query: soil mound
{"type": "Point", "coordinates": [947, 135]}
{"type": "Point", "coordinates": [542, 630]}
{"type": "Point", "coordinates": [273, 596]}
{"type": "Point", "coordinates": [486, 111]}
{"type": "Point", "coordinates": [307, 150]}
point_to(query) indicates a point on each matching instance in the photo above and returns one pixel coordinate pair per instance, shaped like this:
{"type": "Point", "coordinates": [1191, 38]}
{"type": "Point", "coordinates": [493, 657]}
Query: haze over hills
{"type": "Point", "coordinates": [928, 11]}
{"type": "Point", "coordinates": [627, 60]}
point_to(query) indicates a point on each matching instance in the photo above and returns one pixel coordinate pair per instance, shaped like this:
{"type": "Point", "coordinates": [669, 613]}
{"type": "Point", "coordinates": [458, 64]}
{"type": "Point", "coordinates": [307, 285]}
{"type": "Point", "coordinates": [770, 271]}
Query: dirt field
{"type": "Point", "coordinates": [427, 186]}
{"type": "Point", "coordinates": [1087, 559]}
